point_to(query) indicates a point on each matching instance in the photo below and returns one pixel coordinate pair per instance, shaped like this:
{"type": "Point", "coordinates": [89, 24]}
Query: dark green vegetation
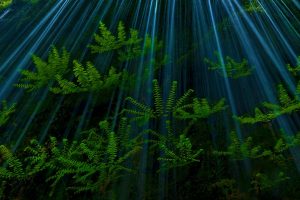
{"type": "Point", "coordinates": [101, 157]}
{"type": "Point", "coordinates": [167, 129]}
{"type": "Point", "coordinates": [5, 3]}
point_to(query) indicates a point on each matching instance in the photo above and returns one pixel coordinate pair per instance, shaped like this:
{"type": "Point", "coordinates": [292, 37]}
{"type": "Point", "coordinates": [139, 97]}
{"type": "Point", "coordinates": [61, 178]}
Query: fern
{"type": "Point", "coordinates": [178, 108]}
{"type": "Point", "coordinates": [14, 170]}
{"type": "Point", "coordinates": [127, 44]}
{"type": "Point", "coordinates": [37, 158]}
{"type": "Point", "coordinates": [181, 155]}
{"type": "Point", "coordinates": [176, 150]}
{"type": "Point", "coordinates": [253, 7]}
{"type": "Point", "coordinates": [144, 113]}
{"type": "Point", "coordinates": [263, 182]}
{"type": "Point", "coordinates": [93, 163]}
{"type": "Point", "coordinates": [106, 157]}
{"type": "Point", "coordinates": [112, 147]}
{"type": "Point", "coordinates": [298, 91]}
{"type": "Point", "coordinates": [123, 135]}
{"type": "Point", "coordinates": [158, 102]}
{"type": "Point", "coordinates": [238, 150]}
{"type": "Point", "coordinates": [284, 143]}
{"type": "Point", "coordinates": [46, 71]}
{"type": "Point", "coordinates": [294, 69]}
{"type": "Point", "coordinates": [200, 109]}
{"type": "Point", "coordinates": [287, 105]}
{"type": "Point", "coordinates": [259, 117]}
{"type": "Point", "coordinates": [232, 68]}
{"type": "Point", "coordinates": [88, 79]}
{"type": "Point", "coordinates": [106, 41]}
{"type": "Point", "coordinates": [284, 98]}
{"type": "Point", "coordinates": [182, 101]}
{"type": "Point", "coordinates": [171, 97]}
{"type": "Point", "coordinates": [5, 112]}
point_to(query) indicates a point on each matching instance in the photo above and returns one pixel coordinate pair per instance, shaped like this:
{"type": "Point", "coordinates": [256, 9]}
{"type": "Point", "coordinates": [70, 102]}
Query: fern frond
{"type": "Point", "coordinates": [171, 98]}
{"type": "Point", "coordinates": [181, 155]}
{"type": "Point", "coordinates": [294, 69]}
{"type": "Point", "coordinates": [105, 42]}
{"type": "Point", "coordinates": [232, 68]}
{"type": "Point", "coordinates": [13, 162]}
{"type": "Point", "coordinates": [158, 102]}
{"type": "Point", "coordinates": [112, 147]}
{"type": "Point", "coordinates": [5, 112]}
{"type": "Point", "coordinates": [284, 98]}
{"type": "Point", "coordinates": [81, 74]}
{"type": "Point", "coordinates": [46, 72]}
{"type": "Point", "coordinates": [65, 87]}
{"type": "Point", "coordinates": [142, 107]}
{"type": "Point", "coordinates": [121, 33]}
{"type": "Point", "coordinates": [183, 99]}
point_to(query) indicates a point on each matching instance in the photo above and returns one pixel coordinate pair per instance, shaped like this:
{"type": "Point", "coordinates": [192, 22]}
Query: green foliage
{"type": "Point", "coordinates": [179, 108]}
{"type": "Point", "coordinates": [231, 68]}
{"type": "Point", "coordinates": [14, 169]}
{"type": "Point", "coordinates": [46, 71]}
{"type": "Point", "coordinates": [37, 157]}
{"type": "Point", "coordinates": [5, 112]}
{"type": "Point", "coordinates": [143, 113]}
{"type": "Point", "coordinates": [180, 155]}
{"type": "Point", "coordinates": [175, 150]}
{"type": "Point", "coordinates": [228, 189]}
{"type": "Point", "coordinates": [128, 45]}
{"type": "Point", "coordinates": [124, 132]}
{"type": "Point", "coordinates": [286, 105]}
{"type": "Point", "coordinates": [259, 116]}
{"type": "Point", "coordinates": [294, 69]}
{"type": "Point", "coordinates": [105, 163]}
{"type": "Point", "coordinates": [253, 6]}
{"type": "Point", "coordinates": [88, 79]}
{"type": "Point", "coordinates": [200, 109]}
{"type": "Point", "coordinates": [92, 164]}
{"type": "Point", "coordinates": [287, 142]}
{"type": "Point", "coordinates": [238, 150]}
{"type": "Point", "coordinates": [5, 3]}
{"type": "Point", "coordinates": [262, 182]}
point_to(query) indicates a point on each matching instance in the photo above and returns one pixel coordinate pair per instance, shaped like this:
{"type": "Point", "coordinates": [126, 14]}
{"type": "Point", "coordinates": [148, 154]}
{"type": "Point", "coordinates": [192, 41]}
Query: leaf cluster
{"type": "Point", "coordinates": [46, 71]}
{"type": "Point", "coordinates": [128, 45]}
{"type": "Point", "coordinates": [179, 153]}
{"type": "Point", "coordinates": [5, 112]}
{"type": "Point", "coordinates": [92, 163]}
{"type": "Point", "coordinates": [253, 6]}
{"type": "Point", "coordinates": [240, 150]}
{"type": "Point", "coordinates": [88, 79]}
{"type": "Point", "coordinates": [294, 69]}
{"type": "Point", "coordinates": [263, 182]}
{"type": "Point", "coordinates": [179, 108]}
{"type": "Point", "coordinates": [228, 67]}
{"type": "Point", "coordinates": [287, 105]}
